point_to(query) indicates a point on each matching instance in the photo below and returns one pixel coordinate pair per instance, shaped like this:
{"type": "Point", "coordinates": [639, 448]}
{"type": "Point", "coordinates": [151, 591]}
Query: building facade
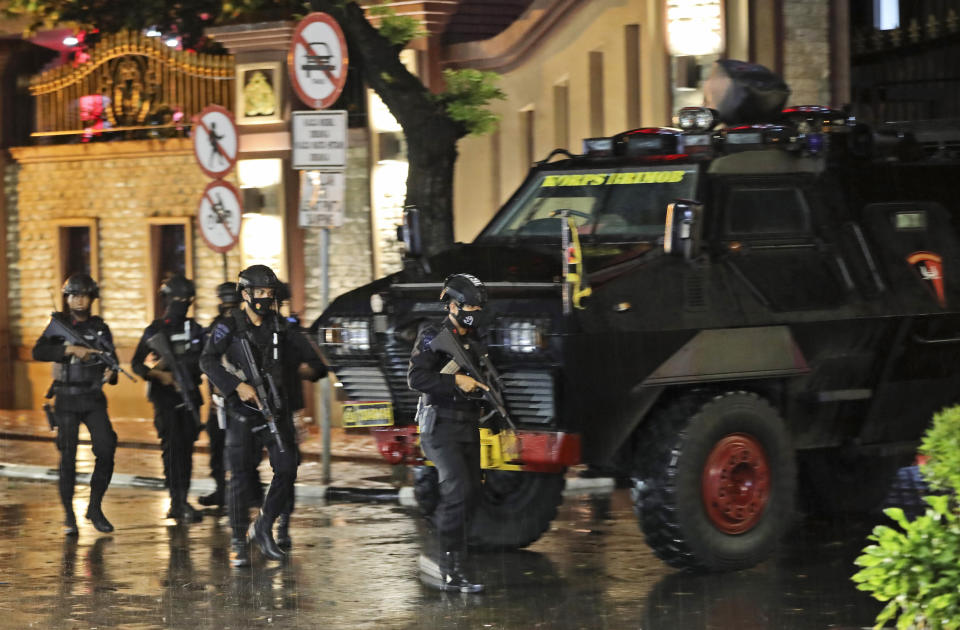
{"type": "Point", "coordinates": [124, 210]}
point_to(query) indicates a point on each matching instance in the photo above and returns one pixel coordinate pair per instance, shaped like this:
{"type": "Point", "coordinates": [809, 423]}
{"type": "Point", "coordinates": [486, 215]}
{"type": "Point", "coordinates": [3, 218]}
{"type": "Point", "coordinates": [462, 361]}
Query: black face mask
{"type": "Point", "coordinates": [261, 306]}
{"type": "Point", "coordinates": [470, 320]}
{"type": "Point", "coordinates": [176, 310]}
{"type": "Point", "coordinates": [225, 308]}
{"type": "Point", "coordinates": [80, 313]}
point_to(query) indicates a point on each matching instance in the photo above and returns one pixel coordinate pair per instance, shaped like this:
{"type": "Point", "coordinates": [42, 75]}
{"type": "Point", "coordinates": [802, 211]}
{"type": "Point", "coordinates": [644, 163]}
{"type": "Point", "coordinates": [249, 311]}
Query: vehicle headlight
{"type": "Point", "coordinates": [522, 336]}
{"type": "Point", "coordinates": [347, 335]}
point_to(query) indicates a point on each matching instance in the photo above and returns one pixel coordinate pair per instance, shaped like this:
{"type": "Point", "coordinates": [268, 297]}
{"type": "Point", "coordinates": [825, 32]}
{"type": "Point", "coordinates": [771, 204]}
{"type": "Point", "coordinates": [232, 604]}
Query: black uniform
{"type": "Point", "coordinates": [276, 350]}
{"type": "Point", "coordinates": [77, 386]}
{"type": "Point", "coordinates": [176, 426]}
{"type": "Point", "coordinates": [217, 438]}
{"type": "Point", "coordinates": [453, 443]}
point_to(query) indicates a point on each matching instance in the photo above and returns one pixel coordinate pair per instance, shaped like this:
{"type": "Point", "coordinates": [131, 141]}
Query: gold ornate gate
{"type": "Point", "coordinates": [130, 82]}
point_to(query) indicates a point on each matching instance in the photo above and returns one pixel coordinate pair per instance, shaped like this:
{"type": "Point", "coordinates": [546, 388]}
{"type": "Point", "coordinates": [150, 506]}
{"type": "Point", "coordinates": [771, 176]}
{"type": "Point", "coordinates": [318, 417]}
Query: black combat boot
{"type": "Point", "coordinates": [448, 575]}
{"type": "Point", "coordinates": [95, 516]}
{"type": "Point", "coordinates": [215, 498]}
{"type": "Point", "coordinates": [260, 532]}
{"type": "Point", "coordinates": [187, 514]}
{"type": "Point", "coordinates": [181, 511]}
{"type": "Point", "coordinates": [70, 524]}
{"type": "Point", "coordinates": [283, 532]}
{"type": "Point", "coordinates": [239, 553]}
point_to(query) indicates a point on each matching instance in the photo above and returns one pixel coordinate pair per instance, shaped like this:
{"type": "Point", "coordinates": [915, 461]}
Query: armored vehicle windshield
{"type": "Point", "coordinates": [611, 205]}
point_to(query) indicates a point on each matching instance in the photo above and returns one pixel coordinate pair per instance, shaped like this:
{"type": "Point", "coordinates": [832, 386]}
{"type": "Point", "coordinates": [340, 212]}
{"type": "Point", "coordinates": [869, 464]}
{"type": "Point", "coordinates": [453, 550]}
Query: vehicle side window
{"type": "Point", "coordinates": [766, 210]}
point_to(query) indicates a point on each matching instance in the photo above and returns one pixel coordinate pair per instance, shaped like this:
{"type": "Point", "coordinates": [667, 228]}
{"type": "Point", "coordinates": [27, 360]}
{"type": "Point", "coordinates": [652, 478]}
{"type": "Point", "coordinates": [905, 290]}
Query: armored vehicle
{"type": "Point", "coordinates": [737, 314]}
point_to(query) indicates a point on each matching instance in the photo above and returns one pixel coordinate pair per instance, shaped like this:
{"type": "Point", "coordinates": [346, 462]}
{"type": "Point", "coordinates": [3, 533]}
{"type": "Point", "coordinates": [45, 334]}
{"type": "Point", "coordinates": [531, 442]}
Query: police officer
{"type": "Point", "coordinates": [292, 374]}
{"type": "Point", "coordinates": [274, 350]}
{"type": "Point", "coordinates": [229, 300]}
{"type": "Point", "coordinates": [227, 294]}
{"type": "Point", "coordinates": [449, 413]}
{"type": "Point", "coordinates": [177, 425]}
{"type": "Point", "coordinates": [78, 377]}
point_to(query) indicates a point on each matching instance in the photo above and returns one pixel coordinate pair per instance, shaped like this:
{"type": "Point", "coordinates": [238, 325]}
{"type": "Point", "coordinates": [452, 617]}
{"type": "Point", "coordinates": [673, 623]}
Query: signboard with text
{"type": "Point", "coordinates": [320, 140]}
{"type": "Point", "coordinates": [321, 199]}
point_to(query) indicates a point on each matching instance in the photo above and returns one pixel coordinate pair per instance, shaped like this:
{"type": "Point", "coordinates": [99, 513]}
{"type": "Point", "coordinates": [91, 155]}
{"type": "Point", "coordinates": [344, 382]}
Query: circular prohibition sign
{"type": "Point", "coordinates": [317, 60]}
{"type": "Point", "coordinates": [215, 141]}
{"type": "Point", "coordinates": [219, 215]}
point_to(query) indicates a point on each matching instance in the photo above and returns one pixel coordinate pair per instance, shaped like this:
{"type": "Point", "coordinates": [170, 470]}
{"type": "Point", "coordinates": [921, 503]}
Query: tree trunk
{"type": "Point", "coordinates": [431, 134]}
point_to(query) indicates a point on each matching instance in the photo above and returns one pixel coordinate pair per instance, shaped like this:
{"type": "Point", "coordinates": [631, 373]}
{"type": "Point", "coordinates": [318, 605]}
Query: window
{"type": "Point", "coordinates": [76, 249]}
{"type": "Point", "coordinates": [767, 211]}
{"type": "Point", "coordinates": [263, 233]}
{"type": "Point", "coordinates": [171, 253]}
{"type": "Point", "coordinates": [526, 136]}
{"type": "Point", "coordinates": [631, 33]}
{"type": "Point", "coordinates": [886, 14]}
{"type": "Point", "coordinates": [596, 93]}
{"type": "Point", "coordinates": [621, 205]}
{"type": "Point", "coordinates": [561, 116]}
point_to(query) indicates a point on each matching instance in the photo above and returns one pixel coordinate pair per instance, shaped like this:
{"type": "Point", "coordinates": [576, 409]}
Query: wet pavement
{"type": "Point", "coordinates": [354, 566]}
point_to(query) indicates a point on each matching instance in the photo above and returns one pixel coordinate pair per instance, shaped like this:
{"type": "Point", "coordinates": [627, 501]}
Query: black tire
{"type": "Point", "coordinates": [426, 489]}
{"type": "Point", "coordinates": [834, 482]}
{"type": "Point", "coordinates": [675, 445]}
{"type": "Point", "coordinates": [515, 508]}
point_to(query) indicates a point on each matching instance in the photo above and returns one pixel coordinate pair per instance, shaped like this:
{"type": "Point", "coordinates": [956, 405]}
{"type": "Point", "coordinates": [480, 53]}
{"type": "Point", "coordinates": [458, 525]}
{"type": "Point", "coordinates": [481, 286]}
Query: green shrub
{"type": "Point", "coordinates": [942, 445]}
{"type": "Point", "coordinates": [915, 567]}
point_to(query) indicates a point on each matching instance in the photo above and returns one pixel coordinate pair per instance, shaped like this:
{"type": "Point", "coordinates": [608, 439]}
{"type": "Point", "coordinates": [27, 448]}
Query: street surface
{"type": "Point", "coordinates": [354, 566]}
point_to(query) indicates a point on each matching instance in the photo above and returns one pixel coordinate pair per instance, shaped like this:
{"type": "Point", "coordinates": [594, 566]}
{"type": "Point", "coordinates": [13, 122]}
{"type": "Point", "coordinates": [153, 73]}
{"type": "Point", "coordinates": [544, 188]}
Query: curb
{"type": "Point", "coordinates": [306, 455]}
{"type": "Point", "coordinates": [308, 492]}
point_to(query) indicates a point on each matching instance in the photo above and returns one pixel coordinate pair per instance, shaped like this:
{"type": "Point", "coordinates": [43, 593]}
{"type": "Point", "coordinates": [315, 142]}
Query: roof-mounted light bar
{"type": "Point", "coordinates": [649, 141]}
{"type": "Point", "coordinates": [697, 118]}
{"type": "Point", "coordinates": [598, 146]}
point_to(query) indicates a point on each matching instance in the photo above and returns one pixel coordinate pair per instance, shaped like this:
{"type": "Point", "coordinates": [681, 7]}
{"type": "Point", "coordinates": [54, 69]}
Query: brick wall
{"type": "Point", "coordinates": [121, 185]}
{"type": "Point", "coordinates": [10, 177]}
{"type": "Point", "coordinates": [806, 51]}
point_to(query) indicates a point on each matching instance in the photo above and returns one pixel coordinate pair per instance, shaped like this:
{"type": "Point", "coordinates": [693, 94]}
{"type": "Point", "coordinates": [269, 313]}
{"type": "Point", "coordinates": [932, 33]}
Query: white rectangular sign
{"type": "Point", "coordinates": [321, 198]}
{"type": "Point", "coordinates": [320, 139]}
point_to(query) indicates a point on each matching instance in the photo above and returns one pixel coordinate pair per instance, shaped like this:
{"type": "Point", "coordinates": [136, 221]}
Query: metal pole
{"type": "Point", "coordinates": [226, 274]}
{"type": "Point", "coordinates": [325, 388]}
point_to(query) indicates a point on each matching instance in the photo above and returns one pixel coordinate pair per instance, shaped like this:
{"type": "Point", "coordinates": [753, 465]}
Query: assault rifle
{"type": "Point", "coordinates": [267, 403]}
{"type": "Point", "coordinates": [484, 373]}
{"type": "Point", "coordinates": [160, 344]}
{"type": "Point", "coordinates": [106, 353]}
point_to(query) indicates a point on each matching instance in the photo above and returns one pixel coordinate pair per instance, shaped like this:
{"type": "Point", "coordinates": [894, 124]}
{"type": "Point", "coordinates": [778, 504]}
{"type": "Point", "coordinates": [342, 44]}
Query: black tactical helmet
{"type": "Point", "coordinates": [81, 284]}
{"type": "Point", "coordinates": [463, 288]}
{"type": "Point", "coordinates": [227, 293]}
{"type": "Point", "coordinates": [177, 286]}
{"type": "Point", "coordinates": [256, 276]}
{"type": "Point", "coordinates": [283, 292]}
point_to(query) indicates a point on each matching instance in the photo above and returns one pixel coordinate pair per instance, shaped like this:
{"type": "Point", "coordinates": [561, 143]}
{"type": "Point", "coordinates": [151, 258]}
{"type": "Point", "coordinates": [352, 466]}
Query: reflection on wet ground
{"type": "Point", "coordinates": [354, 566]}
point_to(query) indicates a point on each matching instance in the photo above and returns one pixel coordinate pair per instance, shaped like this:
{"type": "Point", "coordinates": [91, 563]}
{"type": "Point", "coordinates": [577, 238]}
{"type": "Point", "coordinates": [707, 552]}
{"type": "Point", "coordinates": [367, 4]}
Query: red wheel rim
{"type": "Point", "coordinates": [736, 483]}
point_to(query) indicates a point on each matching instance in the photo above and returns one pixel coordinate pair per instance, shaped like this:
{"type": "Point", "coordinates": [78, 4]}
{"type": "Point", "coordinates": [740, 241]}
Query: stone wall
{"type": "Point", "coordinates": [806, 51]}
{"type": "Point", "coordinates": [121, 185]}
{"type": "Point", "coordinates": [350, 255]}
{"type": "Point", "coordinates": [10, 177]}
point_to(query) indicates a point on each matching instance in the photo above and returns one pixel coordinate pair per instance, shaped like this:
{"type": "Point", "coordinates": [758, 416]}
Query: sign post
{"type": "Point", "coordinates": [317, 63]}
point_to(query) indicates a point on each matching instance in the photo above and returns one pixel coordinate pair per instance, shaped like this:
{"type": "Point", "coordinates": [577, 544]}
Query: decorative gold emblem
{"type": "Point", "coordinates": [132, 89]}
{"type": "Point", "coordinates": [258, 98]}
